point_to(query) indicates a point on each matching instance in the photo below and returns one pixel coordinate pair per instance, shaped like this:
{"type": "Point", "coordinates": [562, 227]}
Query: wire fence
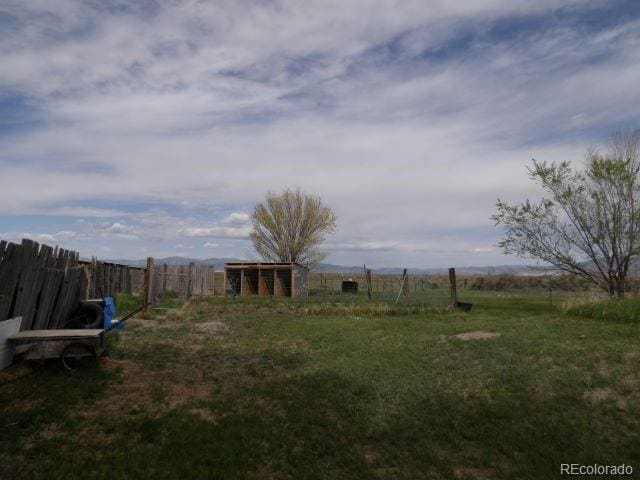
{"type": "Point", "coordinates": [435, 290]}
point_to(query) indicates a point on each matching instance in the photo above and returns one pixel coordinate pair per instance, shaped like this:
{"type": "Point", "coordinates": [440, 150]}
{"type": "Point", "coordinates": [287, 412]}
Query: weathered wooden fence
{"type": "Point", "coordinates": [108, 279]}
{"type": "Point", "coordinates": [41, 284]}
{"type": "Point", "coordinates": [186, 281]}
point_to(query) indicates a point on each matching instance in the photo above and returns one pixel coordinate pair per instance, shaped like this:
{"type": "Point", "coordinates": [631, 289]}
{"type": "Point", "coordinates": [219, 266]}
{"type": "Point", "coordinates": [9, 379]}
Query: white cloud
{"type": "Point", "coordinates": [217, 232]}
{"type": "Point", "coordinates": [236, 219]}
{"type": "Point", "coordinates": [61, 236]}
{"type": "Point", "coordinates": [210, 245]}
{"type": "Point", "coordinates": [117, 228]}
{"type": "Point", "coordinates": [214, 104]}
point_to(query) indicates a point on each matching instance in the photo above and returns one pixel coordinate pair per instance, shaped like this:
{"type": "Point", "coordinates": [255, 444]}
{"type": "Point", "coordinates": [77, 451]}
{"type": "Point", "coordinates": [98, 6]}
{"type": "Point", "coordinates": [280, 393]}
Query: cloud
{"type": "Point", "coordinates": [117, 228]}
{"type": "Point", "coordinates": [159, 123]}
{"type": "Point", "coordinates": [236, 219]}
{"type": "Point", "coordinates": [210, 245]}
{"type": "Point", "coordinates": [61, 236]}
{"type": "Point", "coordinates": [217, 232]}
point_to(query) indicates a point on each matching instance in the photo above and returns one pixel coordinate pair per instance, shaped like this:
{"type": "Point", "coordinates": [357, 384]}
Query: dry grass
{"type": "Point", "coordinates": [478, 335]}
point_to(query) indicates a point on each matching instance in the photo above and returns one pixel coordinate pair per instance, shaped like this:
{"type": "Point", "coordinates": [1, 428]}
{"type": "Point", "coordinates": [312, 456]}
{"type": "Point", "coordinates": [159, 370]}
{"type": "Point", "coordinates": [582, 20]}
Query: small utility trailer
{"type": "Point", "coordinates": [70, 345]}
{"type": "Point", "coordinates": [83, 336]}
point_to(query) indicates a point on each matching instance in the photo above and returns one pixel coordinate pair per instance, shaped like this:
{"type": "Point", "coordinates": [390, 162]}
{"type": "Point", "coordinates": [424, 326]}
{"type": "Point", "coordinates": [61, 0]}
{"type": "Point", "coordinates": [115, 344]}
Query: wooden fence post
{"type": "Point", "coordinates": [405, 284]}
{"type": "Point", "coordinates": [164, 278]}
{"type": "Point", "coordinates": [191, 272]}
{"type": "Point", "coordinates": [148, 284]}
{"type": "Point", "coordinates": [454, 289]}
{"type": "Point", "coordinates": [224, 283]}
{"type": "Point", "coordinates": [369, 293]}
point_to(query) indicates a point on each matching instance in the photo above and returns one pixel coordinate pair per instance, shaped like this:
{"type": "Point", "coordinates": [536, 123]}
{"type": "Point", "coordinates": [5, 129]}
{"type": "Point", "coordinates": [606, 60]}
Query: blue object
{"type": "Point", "coordinates": [109, 311]}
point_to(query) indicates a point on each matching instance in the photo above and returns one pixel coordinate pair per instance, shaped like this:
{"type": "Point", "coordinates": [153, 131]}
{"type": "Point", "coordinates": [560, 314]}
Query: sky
{"type": "Point", "coordinates": [152, 128]}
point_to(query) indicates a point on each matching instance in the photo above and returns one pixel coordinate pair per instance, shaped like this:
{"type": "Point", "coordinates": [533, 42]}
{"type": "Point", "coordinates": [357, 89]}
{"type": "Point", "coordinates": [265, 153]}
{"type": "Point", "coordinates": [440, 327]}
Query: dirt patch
{"type": "Point", "coordinates": [604, 370]}
{"type": "Point", "coordinates": [187, 376]}
{"type": "Point", "coordinates": [112, 362]}
{"type": "Point", "coordinates": [181, 393]}
{"type": "Point", "coordinates": [148, 390]}
{"type": "Point", "coordinates": [191, 343]}
{"type": "Point", "coordinates": [477, 335]}
{"type": "Point", "coordinates": [296, 346]}
{"type": "Point", "coordinates": [370, 454]}
{"type": "Point", "coordinates": [131, 390]}
{"type": "Point", "coordinates": [51, 430]}
{"type": "Point", "coordinates": [206, 415]}
{"type": "Point", "coordinates": [597, 395]}
{"type": "Point", "coordinates": [153, 380]}
{"type": "Point", "coordinates": [25, 405]}
{"type": "Point", "coordinates": [144, 322]}
{"type": "Point", "coordinates": [213, 327]}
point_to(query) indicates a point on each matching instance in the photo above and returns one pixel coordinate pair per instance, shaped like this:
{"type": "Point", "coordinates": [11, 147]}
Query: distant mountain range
{"type": "Point", "coordinates": [350, 270]}
{"type": "Point", "coordinates": [217, 262]}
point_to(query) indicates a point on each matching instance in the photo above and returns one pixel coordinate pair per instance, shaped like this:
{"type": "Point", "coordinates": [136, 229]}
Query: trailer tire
{"type": "Point", "coordinates": [73, 354]}
{"type": "Point", "coordinates": [87, 315]}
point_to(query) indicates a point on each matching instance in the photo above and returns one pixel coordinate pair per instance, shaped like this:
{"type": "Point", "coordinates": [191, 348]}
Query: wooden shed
{"type": "Point", "coordinates": [266, 279]}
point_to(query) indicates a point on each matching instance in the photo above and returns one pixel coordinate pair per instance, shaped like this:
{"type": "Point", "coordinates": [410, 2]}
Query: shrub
{"type": "Point", "coordinates": [126, 303]}
{"type": "Point", "coordinates": [503, 281]}
{"type": "Point", "coordinates": [509, 281]}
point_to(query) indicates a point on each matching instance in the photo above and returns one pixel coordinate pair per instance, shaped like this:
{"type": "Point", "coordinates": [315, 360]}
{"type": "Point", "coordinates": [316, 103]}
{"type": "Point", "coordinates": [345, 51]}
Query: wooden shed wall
{"type": "Point", "coordinates": [264, 279]}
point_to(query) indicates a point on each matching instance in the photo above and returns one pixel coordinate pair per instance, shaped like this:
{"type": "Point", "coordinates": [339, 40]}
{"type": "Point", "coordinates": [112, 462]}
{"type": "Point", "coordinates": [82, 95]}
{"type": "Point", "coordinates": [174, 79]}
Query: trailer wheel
{"type": "Point", "coordinates": [73, 354]}
{"type": "Point", "coordinates": [87, 315]}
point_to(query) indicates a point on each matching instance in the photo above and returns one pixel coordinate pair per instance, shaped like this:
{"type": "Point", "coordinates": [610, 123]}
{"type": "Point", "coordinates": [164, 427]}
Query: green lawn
{"type": "Point", "coordinates": [335, 388]}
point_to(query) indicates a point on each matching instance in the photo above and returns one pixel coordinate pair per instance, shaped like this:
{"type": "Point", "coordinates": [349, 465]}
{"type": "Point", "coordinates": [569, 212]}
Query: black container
{"type": "Point", "coordinates": [349, 286]}
{"type": "Point", "coordinates": [465, 307]}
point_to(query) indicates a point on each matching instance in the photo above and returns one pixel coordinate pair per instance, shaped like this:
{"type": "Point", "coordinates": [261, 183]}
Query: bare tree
{"type": "Point", "coordinates": [289, 227]}
{"type": "Point", "coordinates": [590, 225]}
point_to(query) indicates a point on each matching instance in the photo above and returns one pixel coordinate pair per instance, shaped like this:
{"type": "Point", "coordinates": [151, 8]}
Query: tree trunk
{"type": "Point", "coordinates": [620, 287]}
{"type": "Point", "coordinates": [611, 287]}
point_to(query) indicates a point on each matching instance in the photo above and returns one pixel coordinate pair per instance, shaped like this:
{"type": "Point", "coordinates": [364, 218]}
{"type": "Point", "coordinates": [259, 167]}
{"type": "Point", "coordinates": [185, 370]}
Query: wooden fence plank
{"type": "Point", "coordinates": [9, 276]}
{"type": "Point", "coordinates": [52, 282]}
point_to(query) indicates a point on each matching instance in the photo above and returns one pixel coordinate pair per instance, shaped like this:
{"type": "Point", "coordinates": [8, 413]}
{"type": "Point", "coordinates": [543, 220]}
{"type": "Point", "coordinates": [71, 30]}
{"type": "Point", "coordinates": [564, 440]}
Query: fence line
{"type": "Point", "coordinates": [186, 281]}
{"type": "Point", "coordinates": [44, 285]}
{"type": "Point", "coordinates": [380, 283]}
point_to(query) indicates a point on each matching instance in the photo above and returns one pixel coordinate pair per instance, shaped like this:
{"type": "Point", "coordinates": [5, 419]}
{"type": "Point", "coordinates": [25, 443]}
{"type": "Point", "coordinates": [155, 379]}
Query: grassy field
{"type": "Point", "coordinates": [335, 388]}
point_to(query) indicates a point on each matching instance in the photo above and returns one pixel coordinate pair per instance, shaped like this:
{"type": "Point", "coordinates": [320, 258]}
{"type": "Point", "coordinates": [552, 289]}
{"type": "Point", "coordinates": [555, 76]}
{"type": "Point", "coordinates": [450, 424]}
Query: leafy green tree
{"type": "Point", "coordinates": [290, 226]}
{"type": "Point", "coordinates": [589, 223]}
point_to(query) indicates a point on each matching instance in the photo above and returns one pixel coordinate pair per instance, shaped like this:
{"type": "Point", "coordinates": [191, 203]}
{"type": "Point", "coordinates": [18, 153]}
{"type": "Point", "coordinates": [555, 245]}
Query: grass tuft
{"type": "Point", "coordinates": [617, 310]}
{"type": "Point", "coordinates": [127, 303]}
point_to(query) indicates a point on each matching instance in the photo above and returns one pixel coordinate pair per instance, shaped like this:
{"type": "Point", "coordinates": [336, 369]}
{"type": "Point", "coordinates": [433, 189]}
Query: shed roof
{"type": "Point", "coordinates": [265, 265]}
